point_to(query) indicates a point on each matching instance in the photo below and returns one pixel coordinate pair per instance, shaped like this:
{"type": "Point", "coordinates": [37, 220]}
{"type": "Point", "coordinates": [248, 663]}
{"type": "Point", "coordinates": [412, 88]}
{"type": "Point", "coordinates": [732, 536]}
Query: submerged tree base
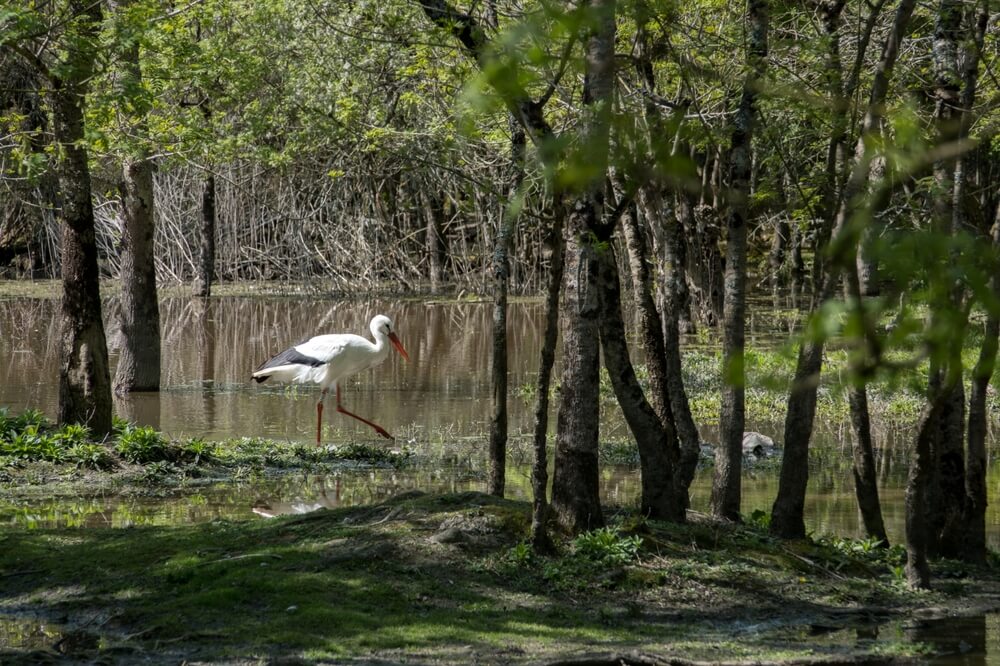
{"type": "Point", "coordinates": [449, 580]}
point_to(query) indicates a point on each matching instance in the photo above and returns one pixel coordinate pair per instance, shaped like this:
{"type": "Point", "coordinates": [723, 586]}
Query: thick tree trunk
{"type": "Point", "coordinates": [139, 317]}
{"type": "Point", "coordinates": [575, 492]}
{"type": "Point", "coordinates": [575, 483]}
{"type": "Point", "coordinates": [84, 379]}
{"type": "Point", "coordinates": [865, 475]}
{"type": "Point", "coordinates": [726, 485]}
{"type": "Point", "coordinates": [139, 358]}
{"type": "Point", "coordinates": [501, 279]}
{"type": "Point", "coordinates": [918, 572]}
{"type": "Point", "coordinates": [539, 472]}
{"type": "Point", "coordinates": [946, 490]}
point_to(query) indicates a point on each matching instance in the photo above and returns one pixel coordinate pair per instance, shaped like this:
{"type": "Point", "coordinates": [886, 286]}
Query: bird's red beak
{"type": "Point", "coordinates": [398, 345]}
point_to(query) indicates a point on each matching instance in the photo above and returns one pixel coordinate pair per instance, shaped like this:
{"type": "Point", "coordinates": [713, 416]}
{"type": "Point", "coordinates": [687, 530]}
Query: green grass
{"type": "Point", "coordinates": [370, 582]}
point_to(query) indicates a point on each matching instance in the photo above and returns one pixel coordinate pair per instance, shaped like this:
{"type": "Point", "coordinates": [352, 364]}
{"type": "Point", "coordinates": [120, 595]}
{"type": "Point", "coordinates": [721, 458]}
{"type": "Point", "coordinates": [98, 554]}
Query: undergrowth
{"type": "Point", "coordinates": [30, 437]}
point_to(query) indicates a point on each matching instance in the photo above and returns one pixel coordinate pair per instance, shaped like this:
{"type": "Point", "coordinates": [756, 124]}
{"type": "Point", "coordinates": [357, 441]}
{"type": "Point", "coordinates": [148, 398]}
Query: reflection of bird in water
{"type": "Point", "coordinates": [327, 359]}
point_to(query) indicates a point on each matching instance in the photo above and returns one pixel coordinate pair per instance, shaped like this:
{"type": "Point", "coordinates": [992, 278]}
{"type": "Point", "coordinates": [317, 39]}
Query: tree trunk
{"type": "Point", "coordinates": [84, 379]}
{"type": "Point", "coordinates": [139, 359]}
{"type": "Point", "coordinates": [918, 572]}
{"type": "Point", "coordinates": [575, 492]}
{"type": "Point", "coordinates": [437, 250]}
{"type": "Point", "coordinates": [575, 483]}
{"type": "Point", "coordinates": [973, 539]}
{"type": "Point", "coordinates": [501, 279]}
{"type": "Point", "coordinates": [677, 408]}
{"type": "Point", "coordinates": [539, 472]}
{"type": "Point", "coordinates": [865, 476]}
{"type": "Point", "coordinates": [139, 317]}
{"type": "Point", "coordinates": [972, 547]}
{"type": "Point", "coordinates": [205, 269]}
{"type": "Point", "coordinates": [946, 490]}
{"type": "Point", "coordinates": [787, 513]}
{"type": "Point", "coordinates": [656, 438]}
{"type": "Point", "coordinates": [726, 485]}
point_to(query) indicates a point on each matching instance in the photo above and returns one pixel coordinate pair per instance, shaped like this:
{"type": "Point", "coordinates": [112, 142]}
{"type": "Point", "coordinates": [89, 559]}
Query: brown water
{"type": "Point", "coordinates": [438, 404]}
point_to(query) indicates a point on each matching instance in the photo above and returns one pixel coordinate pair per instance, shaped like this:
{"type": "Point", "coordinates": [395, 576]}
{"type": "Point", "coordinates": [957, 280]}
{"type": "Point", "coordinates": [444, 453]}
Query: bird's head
{"type": "Point", "coordinates": [382, 326]}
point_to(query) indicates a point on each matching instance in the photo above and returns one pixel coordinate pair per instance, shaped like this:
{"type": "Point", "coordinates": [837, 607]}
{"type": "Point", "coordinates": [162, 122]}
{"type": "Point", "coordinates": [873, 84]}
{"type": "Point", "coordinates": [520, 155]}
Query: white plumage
{"type": "Point", "coordinates": [326, 359]}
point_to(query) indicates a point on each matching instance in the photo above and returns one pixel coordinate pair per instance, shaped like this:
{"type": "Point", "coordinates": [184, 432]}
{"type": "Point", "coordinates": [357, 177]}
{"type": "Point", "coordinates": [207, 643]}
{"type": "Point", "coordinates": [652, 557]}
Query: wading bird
{"type": "Point", "coordinates": [327, 359]}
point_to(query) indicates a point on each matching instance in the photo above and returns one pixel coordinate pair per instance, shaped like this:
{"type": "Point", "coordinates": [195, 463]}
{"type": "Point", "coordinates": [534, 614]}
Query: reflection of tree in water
{"type": "Point", "coordinates": [957, 640]}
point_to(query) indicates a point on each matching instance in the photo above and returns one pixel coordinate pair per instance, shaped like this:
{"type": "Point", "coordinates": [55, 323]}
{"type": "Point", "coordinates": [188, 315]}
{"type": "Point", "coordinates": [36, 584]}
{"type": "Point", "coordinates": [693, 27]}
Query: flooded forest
{"type": "Point", "coordinates": [502, 331]}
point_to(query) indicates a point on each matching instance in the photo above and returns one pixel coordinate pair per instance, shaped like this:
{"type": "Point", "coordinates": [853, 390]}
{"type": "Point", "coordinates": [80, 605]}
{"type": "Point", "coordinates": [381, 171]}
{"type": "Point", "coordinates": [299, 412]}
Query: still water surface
{"type": "Point", "coordinates": [438, 404]}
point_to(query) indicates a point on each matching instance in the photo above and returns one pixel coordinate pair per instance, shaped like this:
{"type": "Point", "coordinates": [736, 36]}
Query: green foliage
{"type": "Point", "coordinates": [607, 546]}
{"type": "Point", "coordinates": [90, 455]}
{"type": "Point", "coordinates": [141, 445]}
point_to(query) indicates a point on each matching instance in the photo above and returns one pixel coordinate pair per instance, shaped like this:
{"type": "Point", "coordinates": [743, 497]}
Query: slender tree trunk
{"type": "Point", "coordinates": [205, 267]}
{"type": "Point", "coordinates": [667, 343]}
{"type": "Point", "coordinates": [973, 540]}
{"type": "Point", "coordinates": [974, 516]}
{"type": "Point", "coordinates": [539, 472]}
{"type": "Point", "coordinates": [205, 273]}
{"type": "Point", "coordinates": [918, 572]}
{"type": "Point", "coordinates": [656, 438]}
{"type": "Point", "coordinates": [437, 249]}
{"type": "Point", "coordinates": [501, 279]}
{"type": "Point", "coordinates": [726, 486]}
{"type": "Point", "coordinates": [787, 519]}
{"type": "Point", "coordinates": [139, 317]}
{"type": "Point", "coordinates": [575, 483]}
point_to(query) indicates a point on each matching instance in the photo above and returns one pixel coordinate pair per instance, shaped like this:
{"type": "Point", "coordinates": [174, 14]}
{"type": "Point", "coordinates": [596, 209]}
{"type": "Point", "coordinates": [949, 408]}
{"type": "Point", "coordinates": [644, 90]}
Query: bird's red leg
{"type": "Point", "coordinates": [319, 417]}
{"type": "Point", "coordinates": [379, 429]}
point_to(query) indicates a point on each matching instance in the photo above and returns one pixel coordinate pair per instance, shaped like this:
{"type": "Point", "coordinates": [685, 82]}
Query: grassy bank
{"type": "Point", "coordinates": [446, 579]}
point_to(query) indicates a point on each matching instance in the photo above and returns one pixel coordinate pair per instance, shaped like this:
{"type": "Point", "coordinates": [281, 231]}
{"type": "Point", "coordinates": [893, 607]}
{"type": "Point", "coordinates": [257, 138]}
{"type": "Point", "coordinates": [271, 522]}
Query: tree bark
{"type": "Point", "coordinates": [661, 338]}
{"type": "Point", "coordinates": [205, 271]}
{"type": "Point", "coordinates": [437, 249]}
{"type": "Point", "coordinates": [84, 379]}
{"type": "Point", "coordinates": [501, 279]}
{"type": "Point", "coordinates": [539, 472]}
{"type": "Point", "coordinates": [656, 438]}
{"type": "Point", "coordinates": [139, 317]}
{"type": "Point", "coordinates": [974, 515]}
{"type": "Point", "coordinates": [575, 484]}
{"type": "Point", "coordinates": [787, 512]}
{"type": "Point", "coordinates": [726, 485]}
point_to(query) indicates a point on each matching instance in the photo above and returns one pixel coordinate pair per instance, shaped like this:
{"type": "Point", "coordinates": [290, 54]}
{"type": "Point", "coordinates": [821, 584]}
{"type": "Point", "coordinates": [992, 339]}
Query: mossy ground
{"type": "Point", "coordinates": [445, 580]}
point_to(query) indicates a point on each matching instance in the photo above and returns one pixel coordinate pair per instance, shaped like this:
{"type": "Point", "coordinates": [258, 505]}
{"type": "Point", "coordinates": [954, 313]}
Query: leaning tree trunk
{"type": "Point", "coordinates": [84, 380]}
{"type": "Point", "coordinates": [139, 358]}
{"type": "Point", "coordinates": [575, 483]}
{"type": "Point", "coordinates": [726, 485]}
{"type": "Point", "coordinates": [501, 279]}
{"type": "Point", "coordinates": [661, 338]}
{"type": "Point", "coordinates": [656, 438]}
